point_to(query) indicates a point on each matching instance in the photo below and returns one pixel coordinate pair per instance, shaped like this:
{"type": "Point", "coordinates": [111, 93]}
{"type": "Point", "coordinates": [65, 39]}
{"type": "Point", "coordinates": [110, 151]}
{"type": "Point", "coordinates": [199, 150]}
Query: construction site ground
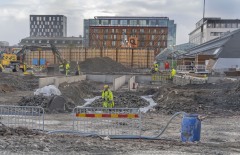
{"type": "Point", "coordinates": [217, 103]}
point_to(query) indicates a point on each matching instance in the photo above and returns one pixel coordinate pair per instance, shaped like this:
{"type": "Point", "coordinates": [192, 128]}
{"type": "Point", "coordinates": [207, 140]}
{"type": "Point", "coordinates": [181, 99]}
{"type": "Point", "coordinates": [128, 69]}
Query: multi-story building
{"type": "Point", "coordinates": [136, 32]}
{"type": "Point", "coordinates": [4, 43]}
{"type": "Point", "coordinates": [58, 41]}
{"type": "Point", "coordinates": [211, 28]}
{"type": "Point", "coordinates": [48, 26]}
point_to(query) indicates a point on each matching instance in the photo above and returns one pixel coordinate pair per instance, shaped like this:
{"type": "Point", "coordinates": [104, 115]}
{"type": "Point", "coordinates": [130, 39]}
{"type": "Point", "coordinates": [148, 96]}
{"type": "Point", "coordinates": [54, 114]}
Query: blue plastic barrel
{"type": "Point", "coordinates": [34, 61]}
{"type": "Point", "coordinates": [191, 128]}
{"type": "Point", "coordinates": [42, 61]}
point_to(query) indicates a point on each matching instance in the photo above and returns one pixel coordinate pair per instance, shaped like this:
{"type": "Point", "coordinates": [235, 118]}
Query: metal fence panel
{"type": "Point", "coordinates": [22, 116]}
{"type": "Point", "coordinates": [107, 121]}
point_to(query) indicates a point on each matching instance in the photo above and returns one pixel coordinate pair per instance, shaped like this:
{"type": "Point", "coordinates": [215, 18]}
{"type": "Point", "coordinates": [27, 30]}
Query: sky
{"type": "Point", "coordinates": [14, 14]}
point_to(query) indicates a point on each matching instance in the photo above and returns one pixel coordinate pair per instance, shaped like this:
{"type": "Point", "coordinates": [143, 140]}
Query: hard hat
{"type": "Point", "coordinates": [105, 86]}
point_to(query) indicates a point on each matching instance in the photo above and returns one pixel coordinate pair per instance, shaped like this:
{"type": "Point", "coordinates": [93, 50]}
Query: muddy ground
{"type": "Point", "coordinates": [220, 129]}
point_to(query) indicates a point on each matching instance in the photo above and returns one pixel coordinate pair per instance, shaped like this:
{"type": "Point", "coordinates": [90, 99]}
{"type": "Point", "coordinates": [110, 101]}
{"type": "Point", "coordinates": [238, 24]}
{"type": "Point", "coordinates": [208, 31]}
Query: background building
{"type": "Point", "coordinates": [211, 28]}
{"type": "Point", "coordinates": [136, 32]}
{"type": "Point", "coordinates": [58, 41]}
{"type": "Point", "coordinates": [48, 26]}
{"type": "Point", "coordinates": [4, 43]}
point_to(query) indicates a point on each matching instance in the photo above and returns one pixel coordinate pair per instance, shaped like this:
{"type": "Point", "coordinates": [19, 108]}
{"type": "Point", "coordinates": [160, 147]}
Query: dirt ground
{"type": "Point", "coordinates": [220, 129]}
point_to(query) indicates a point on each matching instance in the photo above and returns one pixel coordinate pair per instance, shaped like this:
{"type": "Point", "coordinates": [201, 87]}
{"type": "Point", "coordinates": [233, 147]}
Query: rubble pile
{"type": "Point", "coordinates": [204, 99]}
{"type": "Point", "coordinates": [51, 104]}
{"type": "Point", "coordinates": [19, 131]}
{"type": "Point", "coordinates": [16, 82]}
{"type": "Point", "coordinates": [78, 91]}
{"type": "Point", "coordinates": [124, 100]}
{"type": "Point", "coordinates": [104, 65]}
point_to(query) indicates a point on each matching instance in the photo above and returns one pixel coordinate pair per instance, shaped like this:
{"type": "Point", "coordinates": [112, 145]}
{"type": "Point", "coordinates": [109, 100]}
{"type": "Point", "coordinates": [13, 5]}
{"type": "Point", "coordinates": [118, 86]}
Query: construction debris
{"type": "Point", "coordinates": [124, 100]}
{"type": "Point", "coordinates": [19, 131]}
{"type": "Point", "coordinates": [103, 65]}
{"type": "Point", "coordinates": [206, 99]}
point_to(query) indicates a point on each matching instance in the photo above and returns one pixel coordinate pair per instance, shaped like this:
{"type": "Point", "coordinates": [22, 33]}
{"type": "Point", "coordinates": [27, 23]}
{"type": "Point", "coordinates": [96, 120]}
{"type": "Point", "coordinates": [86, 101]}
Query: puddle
{"type": "Point", "coordinates": [151, 102]}
{"type": "Point", "coordinates": [90, 101]}
{"type": "Point", "coordinates": [144, 109]}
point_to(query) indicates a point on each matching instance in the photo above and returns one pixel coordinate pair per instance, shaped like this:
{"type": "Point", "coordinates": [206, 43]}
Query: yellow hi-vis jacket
{"type": "Point", "coordinates": [108, 102]}
{"type": "Point", "coordinates": [67, 66]}
{"type": "Point", "coordinates": [156, 67]}
{"type": "Point", "coordinates": [173, 73]}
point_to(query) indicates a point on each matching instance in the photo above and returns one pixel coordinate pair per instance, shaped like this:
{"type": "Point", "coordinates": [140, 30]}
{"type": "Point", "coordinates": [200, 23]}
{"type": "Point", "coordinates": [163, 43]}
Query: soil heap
{"type": "Point", "coordinates": [124, 100]}
{"type": "Point", "coordinates": [12, 82]}
{"type": "Point", "coordinates": [104, 65]}
{"type": "Point", "coordinates": [221, 98]}
{"type": "Point", "coordinates": [19, 131]}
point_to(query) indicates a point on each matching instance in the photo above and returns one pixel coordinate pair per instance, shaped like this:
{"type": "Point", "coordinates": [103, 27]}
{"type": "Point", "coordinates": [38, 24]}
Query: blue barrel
{"type": "Point", "coordinates": [42, 61]}
{"type": "Point", "coordinates": [34, 61]}
{"type": "Point", "coordinates": [191, 128]}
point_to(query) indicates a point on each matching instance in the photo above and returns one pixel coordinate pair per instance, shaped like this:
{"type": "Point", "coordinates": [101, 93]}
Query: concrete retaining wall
{"type": "Point", "coordinates": [118, 82]}
{"type": "Point", "coordinates": [132, 82]}
{"type": "Point", "coordinates": [184, 80]}
{"type": "Point", "coordinates": [58, 80]}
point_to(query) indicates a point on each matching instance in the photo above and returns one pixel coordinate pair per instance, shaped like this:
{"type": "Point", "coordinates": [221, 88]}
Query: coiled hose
{"type": "Point", "coordinates": [118, 136]}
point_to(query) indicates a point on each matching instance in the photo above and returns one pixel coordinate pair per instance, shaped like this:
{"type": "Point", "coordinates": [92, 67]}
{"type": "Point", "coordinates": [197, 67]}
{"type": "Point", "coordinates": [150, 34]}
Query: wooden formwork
{"type": "Point", "coordinates": [130, 57]}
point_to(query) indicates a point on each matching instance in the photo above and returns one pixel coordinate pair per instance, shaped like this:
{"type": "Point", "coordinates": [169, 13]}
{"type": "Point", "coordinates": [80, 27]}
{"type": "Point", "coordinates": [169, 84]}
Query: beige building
{"type": "Point", "coordinates": [211, 28]}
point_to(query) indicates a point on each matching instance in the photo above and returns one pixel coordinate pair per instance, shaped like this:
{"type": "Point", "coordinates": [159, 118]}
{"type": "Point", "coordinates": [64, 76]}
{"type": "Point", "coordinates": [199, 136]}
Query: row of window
{"type": "Point", "coordinates": [124, 22]}
{"type": "Point", "coordinates": [39, 18]}
{"type": "Point", "coordinates": [46, 23]}
{"type": "Point", "coordinates": [44, 26]}
{"type": "Point", "coordinates": [216, 33]}
{"type": "Point", "coordinates": [223, 25]}
{"type": "Point", "coordinates": [56, 41]}
{"type": "Point", "coordinates": [114, 37]}
{"type": "Point", "coordinates": [46, 30]}
{"type": "Point", "coordinates": [129, 30]}
{"type": "Point", "coordinates": [151, 43]}
{"type": "Point", "coordinates": [46, 34]}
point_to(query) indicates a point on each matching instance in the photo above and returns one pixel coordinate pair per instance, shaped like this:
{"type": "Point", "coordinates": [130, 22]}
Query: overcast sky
{"type": "Point", "coordinates": [14, 14]}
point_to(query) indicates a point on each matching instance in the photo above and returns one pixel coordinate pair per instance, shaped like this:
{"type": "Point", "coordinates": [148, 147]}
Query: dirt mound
{"type": "Point", "coordinates": [204, 99]}
{"type": "Point", "coordinates": [17, 82]}
{"type": "Point", "coordinates": [105, 65]}
{"type": "Point", "coordinates": [124, 100]}
{"type": "Point", "coordinates": [4, 88]}
{"type": "Point", "coordinates": [19, 131]}
{"type": "Point", "coordinates": [51, 104]}
{"type": "Point", "coordinates": [78, 91]}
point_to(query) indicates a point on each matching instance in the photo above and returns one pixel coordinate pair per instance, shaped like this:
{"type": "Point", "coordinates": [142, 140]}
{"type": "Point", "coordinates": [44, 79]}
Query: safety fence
{"type": "Point", "coordinates": [105, 121]}
{"type": "Point", "coordinates": [22, 116]}
{"type": "Point", "coordinates": [161, 77]}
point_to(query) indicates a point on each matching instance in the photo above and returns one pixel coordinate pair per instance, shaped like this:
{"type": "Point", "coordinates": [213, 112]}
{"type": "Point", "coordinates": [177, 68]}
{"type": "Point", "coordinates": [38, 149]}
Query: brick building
{"type": "Point", "coordinates": [136, 32]}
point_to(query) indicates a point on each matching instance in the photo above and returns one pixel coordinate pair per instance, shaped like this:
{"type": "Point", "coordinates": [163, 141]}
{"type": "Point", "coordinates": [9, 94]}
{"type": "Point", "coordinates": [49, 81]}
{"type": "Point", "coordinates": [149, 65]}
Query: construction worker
{"type": "Point", "coordinates": [173, 72]}
{"type": "Point", "coordinates": [67, 68]}
{"type": "Point", "coordinates": [107, 97]}
{"type": "Point", "coordinates": [156, 67]}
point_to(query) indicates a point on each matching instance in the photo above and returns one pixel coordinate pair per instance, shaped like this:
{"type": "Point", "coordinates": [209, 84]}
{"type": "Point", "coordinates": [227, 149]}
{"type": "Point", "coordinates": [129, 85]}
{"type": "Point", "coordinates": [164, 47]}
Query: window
{"type": "Point", "coordinates": [113, 43]}
{"type": "Point", "coordinates": [50, 18]}
{"type": "Point", "coordinates": [31, 18]}
{"type": "Point", "coordinates": [27, 40]}
{"type": "Point", "coordinates": [114, 22]}
{"type": "Point", "coordinates": [57, 18]}
{"type": "Point", "coordinates": [154, 31]}
{"type": "Point", "coordinates": [105, 36]}
{"type": "Point", "coordinates": [53, 18]}
{"type": "Point", "coordinates": [152, 37]}
{"type": "Point", "coordinates": [112, 30]}
{"type": "Point", "coordinates": [217, 25]}
{"type": "Point", "coordinates": [63, 41]}
{"type": "Point", "coordinates": [33, 41]}
{"type": "Point", "coordinates": [114, 36]}
{"type": "Point", "coordinates": [106, 30]}
{"type": "Point", "coordinates": [234, 25]}
{"type": "Point", "coordinates": [229, 25]}
{"type": "Point", "coordinates": [223, 25]}
{"type": "Point", "coordinates": [44, 18]}
{"type": "Point", "coordinates": [142, 22]}
{"type": "Point", "coordinates": [40, 18]}
{"type": "Point", "coordinates": [152, 22]}
{"type": "Point", "coordinates": [133, 22]}
{"type": "Point", "coordinates": [55, 41]}
{"type": "Point", "coordinates": [209, 25]}
{"type": "Point", "coordinates": [124, 30]}
{"type": "Point", "coordinates": [141, 30]}
{"type": "Point", "coordinates": [40, 41]}
{"type": "Point", "coordinates": [104, 43]}
{"type": "Point", "coordinates": [104, 22]}
{"type": "Point", "coordinates": [123, 22]}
